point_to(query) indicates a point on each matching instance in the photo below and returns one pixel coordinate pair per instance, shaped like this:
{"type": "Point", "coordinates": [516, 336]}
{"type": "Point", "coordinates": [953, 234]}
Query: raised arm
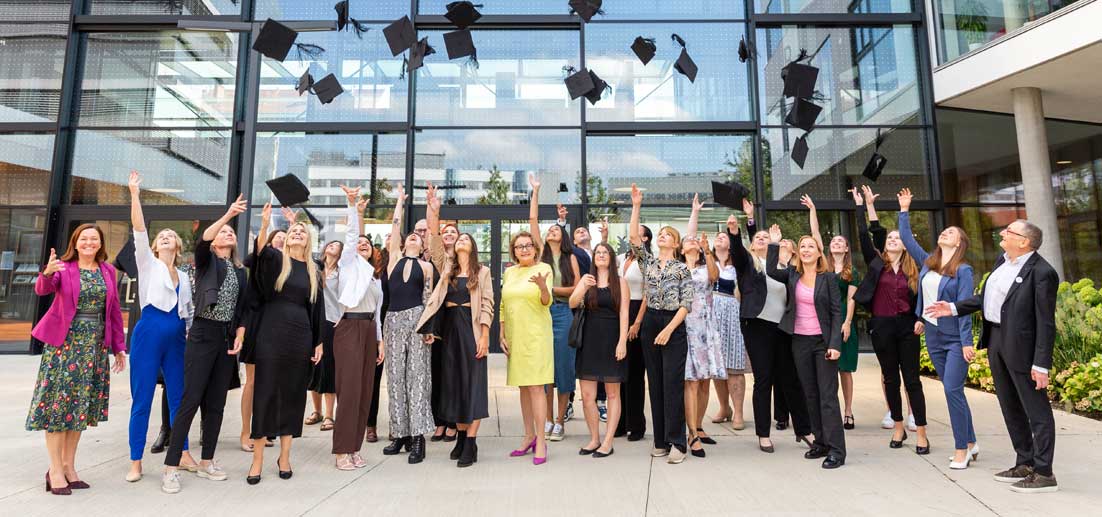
{"type": "Point", "coordinates": [394, 245]}
{"type": "Point", "coordinates": [868, 250]}
{"type": "Point", "coordinates": [356, 204]}
{"type": "Point", "coordinates": [534, 212]}
{"type": "Point", "coordinates": [238, 207]}
{"type": "Point", "coordinates": [739, 255]}
{"type": "Point", "coordinates": [773, 257]}
{"type": "Point", "coordinates": [694, 217]}
{"type": "Point", "coordinates": [813, 220]}
{"type": "Point", "coordinates": [905, 232]}
{"type": "Point", "coordinates": [635, 235]}
{"type": "Point", "coordinates": [709, 259]}
{"type": "Point", "coordinates": [265, 222]}
{"type": "Point", "coordinates": [437, 253]}
{"type": "Point", "coordinates": [137, 218]}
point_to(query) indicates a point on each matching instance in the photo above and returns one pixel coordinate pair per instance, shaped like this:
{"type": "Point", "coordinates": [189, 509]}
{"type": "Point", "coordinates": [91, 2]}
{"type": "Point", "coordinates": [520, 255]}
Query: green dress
{"type": "Point", "coordinates": [848, 361]}
{"type": "Point", "coordinates": [74, 380]}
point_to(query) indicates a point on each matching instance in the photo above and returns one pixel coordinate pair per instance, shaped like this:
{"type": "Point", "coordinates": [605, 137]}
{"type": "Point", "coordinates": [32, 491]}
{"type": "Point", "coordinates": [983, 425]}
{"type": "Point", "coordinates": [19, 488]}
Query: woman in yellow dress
{"type": "Point", "coordinates": [526, 338]}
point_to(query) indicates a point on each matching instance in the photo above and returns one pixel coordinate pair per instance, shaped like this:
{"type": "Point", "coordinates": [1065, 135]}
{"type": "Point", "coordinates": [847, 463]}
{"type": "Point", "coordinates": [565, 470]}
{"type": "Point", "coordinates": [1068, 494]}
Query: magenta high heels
{"type": "Point", "coordinates": [521, 452]}
{"type": "Point", "coordinates": [536, 460]}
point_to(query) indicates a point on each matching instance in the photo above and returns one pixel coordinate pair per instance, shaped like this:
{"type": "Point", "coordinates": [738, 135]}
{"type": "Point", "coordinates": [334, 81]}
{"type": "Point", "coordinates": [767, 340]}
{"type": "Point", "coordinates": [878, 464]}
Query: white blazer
{"type": "Point", "coordinates": [357, 279]}
{"type": "Point", "coordinates": [155, 283]}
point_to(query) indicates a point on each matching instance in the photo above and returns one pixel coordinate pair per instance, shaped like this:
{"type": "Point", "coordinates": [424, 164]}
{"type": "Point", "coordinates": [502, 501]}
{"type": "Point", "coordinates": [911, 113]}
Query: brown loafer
{"type": "Point", "coordinates": [372, 436]}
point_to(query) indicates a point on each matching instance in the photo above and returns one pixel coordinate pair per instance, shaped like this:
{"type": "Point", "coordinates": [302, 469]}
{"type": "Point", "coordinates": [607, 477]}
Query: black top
{"type": "Point", "coordinates": [828, 301]}
{"type": "Point", "coordinates": [210, 275]}
{"type": "Point", "coordinates": [872, 239]}
{"type": "Point", "coordinates": [604, 303]}
{"type": "Point", "coordinates": [405, 294]}
{"type": "Point", "coordinates": [725, 286]}
{"type": "Point", "coordinates": [1029, 312]}
{"type": "Point", "coordinates": [459, 294]}
{"type": "Point", "coordinates": [295, 292]}
{"type": "Point", "coordinates": [751, 282]}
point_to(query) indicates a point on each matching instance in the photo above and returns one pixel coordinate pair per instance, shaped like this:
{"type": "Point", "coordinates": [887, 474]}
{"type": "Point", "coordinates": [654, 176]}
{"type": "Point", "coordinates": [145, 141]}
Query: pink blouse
{"type": "Point", "coordinates": [807, 321]}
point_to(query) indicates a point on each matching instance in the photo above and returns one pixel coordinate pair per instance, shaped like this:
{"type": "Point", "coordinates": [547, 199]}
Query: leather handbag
{"type": "Point", "coordinates": [574, 338]}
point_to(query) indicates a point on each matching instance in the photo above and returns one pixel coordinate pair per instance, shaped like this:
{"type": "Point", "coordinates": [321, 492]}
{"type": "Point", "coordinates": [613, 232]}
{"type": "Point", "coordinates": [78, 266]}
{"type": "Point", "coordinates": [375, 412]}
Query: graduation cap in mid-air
{"type": "Point", "coordinates": [127, 260]}
{"type": "Point", "coordinates": [418, 53]}
{"type": "Point", "coordinates": [684, 64]}
{"type": "Point", "coordinates": [578, 83]}
{"type": "Point", "coordinates": [745, 51]}
{"type": "Point", "coordinates": [877, 161]}
{"type": "Point", "coordinates": [587, 9]}
{"type": "Point", "coordinates": [799, 151]}
{"type": "Point", "coordinates": [460, 44]}
{"type": "Point", "coordinates": [599, 87]}
{"type": "Point", "coordinates": [463, 14]}
{"type": "Point", "coordinates": [328, 88]}
{"type": "Point", "coordinates": [343, 19]}
{"type": "Point", "coordinates": [730, 194]}
{"type": "Point", "coordinates": [799, 80]}
{"type": "Point", "coordinates": [276, 39]}
{"type": "Point", "coordinates": [305, 82]}
{"type": "Point", "coordinates": [400, 35]}
{"type": "Point", "coordinates": [290, 191]}
{"type": "Point", "coordinates": [644, 49]}
{"type": "Point", "coordinates": [803, 114]}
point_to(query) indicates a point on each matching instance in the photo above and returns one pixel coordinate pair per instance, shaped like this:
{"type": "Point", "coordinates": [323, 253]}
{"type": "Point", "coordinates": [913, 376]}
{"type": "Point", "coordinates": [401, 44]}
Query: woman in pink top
{"type": "Point", "coordinates": [81, 330]}
{"type": "Point", "coordinates": [813, 316]}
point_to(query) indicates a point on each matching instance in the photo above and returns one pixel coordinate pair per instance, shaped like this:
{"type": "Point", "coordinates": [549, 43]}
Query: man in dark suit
{"type": "Point", "coordinates": [1019, 327]}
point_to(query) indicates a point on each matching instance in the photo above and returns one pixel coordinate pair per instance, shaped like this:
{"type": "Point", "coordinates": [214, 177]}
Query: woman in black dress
{"type": "Point", "coordinates": [288, 340]}
{"type": "Point", "coordinates": [254, 309]}
{"type": "Point", "coordinates": [604, 345]}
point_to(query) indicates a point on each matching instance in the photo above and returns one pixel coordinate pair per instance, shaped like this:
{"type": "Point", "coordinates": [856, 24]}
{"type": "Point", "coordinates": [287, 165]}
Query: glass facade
{"type": "Point", "coordinates": [86, 99]}
{"type": "Point", "coordinates": [966, 25]}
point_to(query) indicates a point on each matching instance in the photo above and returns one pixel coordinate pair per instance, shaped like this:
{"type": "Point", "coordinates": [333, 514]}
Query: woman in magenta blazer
{"type": "Point", "coordinates": [81, 329]}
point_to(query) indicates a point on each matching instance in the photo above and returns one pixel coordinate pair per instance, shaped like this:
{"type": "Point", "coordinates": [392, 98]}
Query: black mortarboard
{"type": "Point", "coordinates": [400, 35]}
{"type": "Point", "coordinates": [418, 53]}
{"type": "Point", "coordinates": [305, 82]}
{"type": "Point", "coordinates": [459, 44]}
{"type": "Point", "coordinates": [127, 260]}
{"type": "Point", "coordinates": [803, 114]}
{"type": "Point", "coordinates": [328, 88]}
{"type": "Point", "coordinates": [799, 80]}
{"type": "Point", "coordinates": [799, 151]}
{"type": "Point", "coordinates": [578, 83]}
{"type": "Point", "coordinates": [275, 40]}
{"type": "Point", "coordinates": [343, 19]}
{"type": "Point", "coordinates": [587, 9]}
{"type": "Point", "coordinates": [463, 14]}
{"type": "Point", "coordinates": [744, 51]}
{"type": "Point", "coordinates": [729, 195]}
{"type": "Point", "coordinates": [599, 87]}
{"type": "Point", "coordinates": [644, 48]}
{"type": "Point", "coordinates": [877, 161]}
{"type": "Point", "coordinates": [562, 187]}
{"type": "Point", "coordinates": [684, 64]}
{"type": "Point", "coordinates": [290, 191]}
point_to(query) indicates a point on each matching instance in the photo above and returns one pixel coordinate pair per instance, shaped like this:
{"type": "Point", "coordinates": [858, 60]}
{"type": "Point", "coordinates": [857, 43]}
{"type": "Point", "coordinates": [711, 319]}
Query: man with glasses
{"type": "Point", "coordinates": [1019, 327]}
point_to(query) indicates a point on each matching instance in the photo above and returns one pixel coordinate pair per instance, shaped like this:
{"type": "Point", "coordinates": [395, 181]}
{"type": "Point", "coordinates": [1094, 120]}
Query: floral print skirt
{"type": "Point", "coordinates": [74, 382]}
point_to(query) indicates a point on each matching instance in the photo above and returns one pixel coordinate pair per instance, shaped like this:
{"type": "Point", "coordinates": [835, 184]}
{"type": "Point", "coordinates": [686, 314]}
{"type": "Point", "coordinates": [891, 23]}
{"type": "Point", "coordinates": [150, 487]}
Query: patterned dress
{"type": "Point", "coordinates": [705, 360]}
{"type": "Point", "coordinates": [726, 310]}
{"type": "Point", "coordinates": [74, 380]}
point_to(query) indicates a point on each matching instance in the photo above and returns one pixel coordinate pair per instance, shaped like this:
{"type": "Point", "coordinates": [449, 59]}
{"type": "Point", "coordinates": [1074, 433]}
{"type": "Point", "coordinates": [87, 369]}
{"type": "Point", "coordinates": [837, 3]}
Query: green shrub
{"type": "Point", "coordinates": [979, 372]}
{"type": "Point", "coordinates": [925, 365]}
{"type": "Point", "coordinates": [1079, 386]}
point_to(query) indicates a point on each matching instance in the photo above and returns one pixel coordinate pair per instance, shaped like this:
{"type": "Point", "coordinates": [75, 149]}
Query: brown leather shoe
{"type": "Point", "coordinates": [372, 436]}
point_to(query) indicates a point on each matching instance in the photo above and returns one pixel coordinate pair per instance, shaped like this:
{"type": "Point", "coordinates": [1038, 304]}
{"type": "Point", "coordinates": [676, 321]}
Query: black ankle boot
{"type": "Point", "coordinates": [397, 445]}
{"type": "Point", "coordinates": [161, 442]}
{"type": "Point", "coordinates": [470, 453]}
{"type": "Point", "coordinates": [417, 450]}
{"type": "Point", "coordinates": [460, 440]}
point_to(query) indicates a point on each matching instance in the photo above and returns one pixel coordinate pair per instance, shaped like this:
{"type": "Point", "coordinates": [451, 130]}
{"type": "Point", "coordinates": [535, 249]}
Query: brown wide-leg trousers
{"type": "Point", "coordinates": [355, 350]}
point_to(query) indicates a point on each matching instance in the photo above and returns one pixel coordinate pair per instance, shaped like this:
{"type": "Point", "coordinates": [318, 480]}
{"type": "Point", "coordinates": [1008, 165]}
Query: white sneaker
{"type": "Point", "coordinates": [887, 422]}
{"type": "Point", "coordinates": [212, 471]}
{"type": "Point", "coordinates": [676, 456]}
{"type": "Point", "coordinates": [911, 423]}
{"type": "Point", "coordinates": [557, 433]}
{"type": "Point", "coordinates": [170, 482]}
{"type": "Point", "coordinates": [547, 427]}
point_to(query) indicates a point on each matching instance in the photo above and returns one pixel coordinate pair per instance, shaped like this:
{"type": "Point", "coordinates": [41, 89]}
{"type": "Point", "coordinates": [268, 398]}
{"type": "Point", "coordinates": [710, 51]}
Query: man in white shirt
{"type": "Point", "coordinates": [1019, 329]}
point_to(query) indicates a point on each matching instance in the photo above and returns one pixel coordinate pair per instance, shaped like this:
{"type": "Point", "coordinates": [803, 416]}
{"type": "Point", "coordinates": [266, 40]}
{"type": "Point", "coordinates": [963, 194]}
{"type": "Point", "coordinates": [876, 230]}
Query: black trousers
{"type": "Point", "coordinates": [437, 397]}
{"type": "Point", "coordinates": [771, 360]}
{"type": "Point", "coordinates": [373, 411]}
{"type": "Point", "coordinates": [207, 373]}
{"type": "Point", "coordinates": [633, 391]}
{"type": "Point", "coordinates": [665, 366]}
{"type": "Point", "coordinates": [897, 349]}
{"type": "Point", "coordinates": [819, 378]}
{"type": "Point", "coordinates": [1026, 410]}
{"type": "Point", "coordinates": [780, 406]}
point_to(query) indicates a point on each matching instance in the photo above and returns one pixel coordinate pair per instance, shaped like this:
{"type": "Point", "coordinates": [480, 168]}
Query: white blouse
{"type": "Point", "coordinates": [155, 286]}
{"type": "Point", "coordinates": [633, 275]}
{"type": "Point", "coordinates": [930, 284]}
{"type": "Point", "coordinates": [776, 296]}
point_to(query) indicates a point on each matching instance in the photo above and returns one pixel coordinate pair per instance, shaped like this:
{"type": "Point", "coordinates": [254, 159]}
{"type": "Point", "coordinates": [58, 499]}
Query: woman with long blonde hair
{"type": "Point", "coordinates": [813, 317]}
{"type": "Point", "coordinates": [890, 292]}
{"type": "Point", "coordinates": [290, 339]}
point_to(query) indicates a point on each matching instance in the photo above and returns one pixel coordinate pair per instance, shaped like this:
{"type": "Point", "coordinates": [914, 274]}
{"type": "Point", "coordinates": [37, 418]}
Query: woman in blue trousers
{"type": "Point", "coordinates": [945, 277]}
{"type": "Point", "coordinates": [157, 345]}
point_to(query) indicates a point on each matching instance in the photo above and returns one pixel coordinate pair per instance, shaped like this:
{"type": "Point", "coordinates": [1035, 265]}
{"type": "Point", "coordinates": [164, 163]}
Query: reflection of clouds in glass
{"type": "Point", "coordinates": [635, 162]}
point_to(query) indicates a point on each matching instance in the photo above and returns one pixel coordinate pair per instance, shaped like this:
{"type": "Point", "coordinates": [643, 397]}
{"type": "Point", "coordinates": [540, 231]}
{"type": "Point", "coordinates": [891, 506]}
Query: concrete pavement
{"type": "Point", "coordinates": [734, 478]}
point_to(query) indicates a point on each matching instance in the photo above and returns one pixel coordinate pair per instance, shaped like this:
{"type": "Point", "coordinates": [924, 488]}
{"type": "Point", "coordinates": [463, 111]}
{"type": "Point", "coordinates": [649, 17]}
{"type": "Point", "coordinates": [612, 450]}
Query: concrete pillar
{"type": "Point", "coordinates": [1040, 200]}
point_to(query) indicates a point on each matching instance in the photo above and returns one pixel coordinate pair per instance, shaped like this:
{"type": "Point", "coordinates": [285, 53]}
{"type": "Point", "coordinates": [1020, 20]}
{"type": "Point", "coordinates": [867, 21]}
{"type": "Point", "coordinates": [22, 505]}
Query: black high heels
{"type": "Point", "coordinates": [284, 474]}
{"type": "Point", "coordinates": [898, 444]}
{"type": "Point", "coordinates": [705, 439]}
{"type": "Point", "coordinates": [699, 453]}
{"type": "Point", "coordinates": [417, 450]}
{"type": "Point", "coordinates": [397, 445]}
{"type": "Point", "coordinates": [160, 442]}
{"type": "Point", "coordinates": [923, 450]}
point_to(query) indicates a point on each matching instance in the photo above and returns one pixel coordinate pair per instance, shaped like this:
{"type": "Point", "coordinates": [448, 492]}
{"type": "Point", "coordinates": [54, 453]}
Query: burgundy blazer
{"type": "Point", "coordinates": [65, 286]}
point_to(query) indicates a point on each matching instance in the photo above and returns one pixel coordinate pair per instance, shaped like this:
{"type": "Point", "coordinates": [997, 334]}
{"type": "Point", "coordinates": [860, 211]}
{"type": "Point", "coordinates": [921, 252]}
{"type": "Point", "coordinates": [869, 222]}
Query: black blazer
{"type": "Point", "coordinates": [751, 282]}
{"type": "Point", "coordinates": [872, 239]}
{"type": "Point", "coordinates": [828, 300]}
{"type": "Point", "coordinates": [1029, 311]}
{"type": "Point", "coordinates": [210, 272]}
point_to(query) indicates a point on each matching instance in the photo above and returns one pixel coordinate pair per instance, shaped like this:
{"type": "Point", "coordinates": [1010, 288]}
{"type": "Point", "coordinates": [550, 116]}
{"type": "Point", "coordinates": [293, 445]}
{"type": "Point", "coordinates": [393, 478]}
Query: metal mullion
{"type": "Point", "coordinates": [853, 126]}
{"type": "Point", "coordinates": [411, 136]}
{"type": "Point", "coordinates": [28, 127]}
{"type": "Point", "coordinates": [325, 127]}
{"type": "Point", "coordinates": [837, 19]}
{"type": "Point", "coordinates": [583, 196]}
{"type": "Point", "coordinates": [755, 106]}
{"type": "Point", "coordinates": [669, 127]}
{"type": "Point", "coordinates": [502, 21]}
{"type": "Point", "coordinates": [668, 21]}
{"type": "Point", "coordinates": [247, 108]}
{"type": "Point", "coordinates": [468, 128]}
{"type": "Point", "coordinates": [926, 94]}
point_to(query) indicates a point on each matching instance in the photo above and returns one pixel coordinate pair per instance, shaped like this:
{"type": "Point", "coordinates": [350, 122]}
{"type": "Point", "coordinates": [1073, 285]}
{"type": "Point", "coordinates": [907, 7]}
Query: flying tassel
{"type": "Point", "coordinates": [405, 65]}
{"type": "Point", "coordinates": [359, 27]}
{"type": "Point", "coordinates": [678, 39]}
{"type": "Point", "coordinates": [310, 50]}
{"type": "Point", "coordinates": [472, 62]}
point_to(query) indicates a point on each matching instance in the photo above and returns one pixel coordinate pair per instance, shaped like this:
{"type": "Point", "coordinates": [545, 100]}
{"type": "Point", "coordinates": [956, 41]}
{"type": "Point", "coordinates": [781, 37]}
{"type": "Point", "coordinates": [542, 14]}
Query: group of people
{"type": "Point", "coordinates": [674, 314]}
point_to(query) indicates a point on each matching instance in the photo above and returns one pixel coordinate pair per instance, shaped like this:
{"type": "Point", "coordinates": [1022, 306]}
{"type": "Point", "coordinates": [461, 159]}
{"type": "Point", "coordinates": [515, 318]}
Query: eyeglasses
{"type": "Point", "coordinates": [422, 231]}
{"type": "Point", "coordinates": [1012, 232]}
{"type": "Point", "coordinates": [524, 247]}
